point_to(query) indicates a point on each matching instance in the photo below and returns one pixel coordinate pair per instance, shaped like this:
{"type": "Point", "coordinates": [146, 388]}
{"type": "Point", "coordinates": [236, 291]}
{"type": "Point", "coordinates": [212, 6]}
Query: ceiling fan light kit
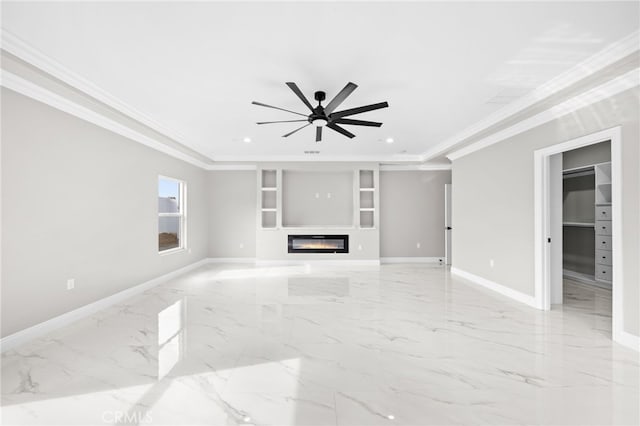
{"type": "Point", "coordinates": [324, 116]}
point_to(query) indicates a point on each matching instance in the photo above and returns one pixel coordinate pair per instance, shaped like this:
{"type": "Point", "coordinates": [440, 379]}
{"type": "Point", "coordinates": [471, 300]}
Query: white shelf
{"type": "Point", "coordinates": [367, 201]}
{"type": "Point", "coordinates": [269, 188]}
{"type": "Point", "coordinates": [269, 210]}
{"type": "Point", "coordinates": [579, 224]}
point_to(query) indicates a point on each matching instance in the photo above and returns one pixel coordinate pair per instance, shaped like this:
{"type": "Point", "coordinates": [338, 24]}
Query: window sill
{"type": "Point", "coordinates": [171, 251]}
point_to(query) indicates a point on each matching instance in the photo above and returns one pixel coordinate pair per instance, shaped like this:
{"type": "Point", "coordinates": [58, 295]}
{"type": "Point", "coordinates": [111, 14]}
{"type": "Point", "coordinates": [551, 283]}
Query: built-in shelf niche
{"type": "Point", "coordinates": [269, 198]}
{"type": "Point", "coordinates": [366, 219]}
{"type": "Point", "coordinates": [603, 183]}
{"type": "Point", "coordinates": [269, 219]}
{"type": "Point", "coordinates": [366, 180]}
{"type": "Point", "coordinates": [269, 179]}
{"type": "Point", "coordinates": [366, 201]}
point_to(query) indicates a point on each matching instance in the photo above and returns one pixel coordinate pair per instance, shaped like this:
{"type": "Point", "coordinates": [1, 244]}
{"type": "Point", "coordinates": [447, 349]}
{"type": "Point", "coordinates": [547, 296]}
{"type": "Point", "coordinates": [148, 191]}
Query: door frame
{"type": "Point", "coordinates": [448, 217]}
{"type": "Point", "coordinates": [542, 227]}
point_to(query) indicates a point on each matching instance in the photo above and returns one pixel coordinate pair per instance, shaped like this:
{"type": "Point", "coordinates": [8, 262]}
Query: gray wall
{"type": "Point", "coordinates": [587, 155]}
{"type": "Point", "coordinates": [232, 213]}
{"type": "Point", "coordinates": [493, 212]}
{"type": "Point", "coordinates": [81, 202]}
{"type": "Point", "coordinates": [317, 198]}
{"type": "Point", "coordinates": [412, 212]}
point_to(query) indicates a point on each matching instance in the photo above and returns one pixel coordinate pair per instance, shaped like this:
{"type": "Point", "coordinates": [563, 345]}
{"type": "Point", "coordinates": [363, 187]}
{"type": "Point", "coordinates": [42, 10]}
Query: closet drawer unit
{"type": "Point", "coordinates": [603, 227]}
{"type": "Point", "coordinates": [603, 272]}
{"type": "Point", "coordinates": [603, 212]}
{"type": "Point", "coordinates": [603, 242]}
{"type": "Point", "coordinates": [603, 257]}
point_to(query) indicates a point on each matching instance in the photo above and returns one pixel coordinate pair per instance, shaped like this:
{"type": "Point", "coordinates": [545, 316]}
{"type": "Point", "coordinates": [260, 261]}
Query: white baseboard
{"type": "Point", "coordinates": [249, 260]}
{"type": "Point", "coordinates": [319, 262]}
{"type": "Point", "coordinates": [436, 260]}
{"type": "Point", "coordinates": [627, 339]}
{"type": "Point", "coordinates": [13, 340]}
{"type": "Point", "coordinates": [498, 288]}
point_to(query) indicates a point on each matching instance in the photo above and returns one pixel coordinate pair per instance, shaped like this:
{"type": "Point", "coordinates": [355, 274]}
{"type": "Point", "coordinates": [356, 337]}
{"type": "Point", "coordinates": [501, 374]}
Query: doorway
{"type": "Point", "coordinates": [447, 224]}
{"type": "Point", "coordinates": [549, 229]}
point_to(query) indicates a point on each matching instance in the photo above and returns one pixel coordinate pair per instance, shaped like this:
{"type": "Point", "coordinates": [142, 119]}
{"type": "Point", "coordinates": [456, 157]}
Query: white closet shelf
{"type": "Point", "coordinates": [367, 189]}
{"type": "Point", "coordinates": [579, 224]}
{"type": "Point", "coordinates": [269, 188]}
{"type": "Point", "coordinates": [269, 210]}
{"type": "Point", "coordinates": [367, 209]}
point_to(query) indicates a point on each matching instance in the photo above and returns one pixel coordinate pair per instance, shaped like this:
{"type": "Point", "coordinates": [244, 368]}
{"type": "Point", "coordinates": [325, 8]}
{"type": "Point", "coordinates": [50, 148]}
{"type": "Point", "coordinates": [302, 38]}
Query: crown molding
{"type": "Point", "coordinates": [611, 88]}
{"type": "Point", "coordinates": [33, 91]}
{"type": "Point", "coordinates": [231, 167]}
{"type": "Point", "coordinates": [413, 167]}
{"type": "Point", "coordinates": [595, 63]}
{"type": "Point", "coordinates": [29, 54]}
{"type": "Point", "coordinates": [320, 158]}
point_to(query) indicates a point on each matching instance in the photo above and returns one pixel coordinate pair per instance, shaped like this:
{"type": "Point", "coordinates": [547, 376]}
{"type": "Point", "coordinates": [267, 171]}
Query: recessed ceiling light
{"type": "Point", "coordinates": [246, 139]}
{"type": "Point", "coordinates": [391, 417]}
{"type": "Point", "coordinates": [389, 140]}
{"type": "Point", "coordinates": [247, 419]}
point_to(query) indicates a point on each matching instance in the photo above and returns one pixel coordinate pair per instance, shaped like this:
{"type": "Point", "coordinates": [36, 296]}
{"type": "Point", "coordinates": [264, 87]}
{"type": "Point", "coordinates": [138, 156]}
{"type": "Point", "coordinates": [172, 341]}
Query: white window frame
{"type": "Point", "coordinates": [182, 214]}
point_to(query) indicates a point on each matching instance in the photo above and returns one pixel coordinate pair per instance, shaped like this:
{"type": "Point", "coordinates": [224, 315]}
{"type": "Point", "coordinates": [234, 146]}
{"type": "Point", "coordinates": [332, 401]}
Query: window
{"type": "Point", "coordinates": [171, 214]}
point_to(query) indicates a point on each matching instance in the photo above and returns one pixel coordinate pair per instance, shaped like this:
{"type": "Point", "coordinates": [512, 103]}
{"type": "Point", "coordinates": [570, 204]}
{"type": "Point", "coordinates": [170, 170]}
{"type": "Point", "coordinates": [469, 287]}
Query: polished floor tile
{"type": "Point", "coordinates": [301, 345]}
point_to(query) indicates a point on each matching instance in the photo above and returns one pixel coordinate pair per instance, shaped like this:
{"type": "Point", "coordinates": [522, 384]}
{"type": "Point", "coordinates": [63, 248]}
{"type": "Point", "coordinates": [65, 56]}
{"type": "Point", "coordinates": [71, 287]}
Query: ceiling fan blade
{"type": "Point", "coordinates": [298, 92]}
{"type": "Point", "coordinates": [340, 97]}
{"type": "Point", "coordinates": [299, 128]}
{"type": "Point", "coordinates": [283, 121]}
{"type": "Point", "coordinates": [281, 109]}
{"type": "Point", "coordinates": [357, 122]}
{"type": "Point", "coordinates": [339, 129]}
{"type": "Point", "coordinates": [358, 110]}
{"type": "Point", "coordinates": [318, 134]}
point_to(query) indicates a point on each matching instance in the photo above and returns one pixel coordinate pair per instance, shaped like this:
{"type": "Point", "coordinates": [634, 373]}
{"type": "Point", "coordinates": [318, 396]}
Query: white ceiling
{"type": "Point", "coordinates": [196, 67]}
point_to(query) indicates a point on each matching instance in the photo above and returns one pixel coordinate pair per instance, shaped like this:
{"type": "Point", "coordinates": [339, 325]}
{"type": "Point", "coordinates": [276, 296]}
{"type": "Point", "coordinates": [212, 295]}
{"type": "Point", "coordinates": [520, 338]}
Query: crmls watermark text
{"type": "Point", "coordinates": [124, 417]}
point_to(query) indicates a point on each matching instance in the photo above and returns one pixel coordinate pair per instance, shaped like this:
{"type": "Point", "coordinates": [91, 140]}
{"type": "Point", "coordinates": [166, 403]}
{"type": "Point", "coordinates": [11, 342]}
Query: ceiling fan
{"type": "Point", "coordinates": [324, 116]}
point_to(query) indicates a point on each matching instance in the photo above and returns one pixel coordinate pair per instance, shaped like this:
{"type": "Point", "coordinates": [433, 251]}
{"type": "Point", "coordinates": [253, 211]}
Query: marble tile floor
{"type": "Point", "coordinates": [300, 345]}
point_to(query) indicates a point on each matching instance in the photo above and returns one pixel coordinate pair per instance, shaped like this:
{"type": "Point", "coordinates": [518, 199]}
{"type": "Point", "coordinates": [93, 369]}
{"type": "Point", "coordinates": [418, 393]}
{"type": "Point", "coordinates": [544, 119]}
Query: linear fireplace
{"type": "Point", "coordinates": [318, 244]}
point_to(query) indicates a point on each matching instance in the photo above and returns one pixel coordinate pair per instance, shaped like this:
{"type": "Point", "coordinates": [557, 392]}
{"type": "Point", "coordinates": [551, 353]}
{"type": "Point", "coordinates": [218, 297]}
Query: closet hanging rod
{"type": "Point", "coordinates": [579, 171]}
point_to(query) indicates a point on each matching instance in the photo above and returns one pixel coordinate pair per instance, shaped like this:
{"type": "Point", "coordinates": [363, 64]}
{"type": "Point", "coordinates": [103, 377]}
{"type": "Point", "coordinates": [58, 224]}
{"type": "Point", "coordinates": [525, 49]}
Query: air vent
{"type": "Point", "coordinates": [312, 152]}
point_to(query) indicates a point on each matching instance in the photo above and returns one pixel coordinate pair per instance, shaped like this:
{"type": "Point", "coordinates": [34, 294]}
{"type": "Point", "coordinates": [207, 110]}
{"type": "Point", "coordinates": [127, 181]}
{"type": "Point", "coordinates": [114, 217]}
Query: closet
{"type": "Point", "coordinates": [586, 214]}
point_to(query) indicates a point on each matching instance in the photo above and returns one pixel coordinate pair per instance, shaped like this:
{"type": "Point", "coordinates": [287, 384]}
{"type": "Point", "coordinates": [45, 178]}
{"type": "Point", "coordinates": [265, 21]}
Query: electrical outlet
{"type": "Point", "coordinates": [491, 262]}
{"type": "Point", "coordinates": [317, 195]}
{"type": "Point", "coordinates": [71, 284]}
{"type": "Point", "coordinates": [417, 245]}
{"type": "Point", "coordinates": [328, 195]}
{"type": "Point", "coordinates": [359, 246]}
{"type": "Point", "coordinates": [189, 251]}
{"type": "Point", "coordinates": [241, 245]}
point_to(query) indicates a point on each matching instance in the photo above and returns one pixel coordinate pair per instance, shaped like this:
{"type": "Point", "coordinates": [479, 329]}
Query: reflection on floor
{"type": "Point", "coordinates": [589, 302]}
{"type": "Point", "coordinates": [390, 345]}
